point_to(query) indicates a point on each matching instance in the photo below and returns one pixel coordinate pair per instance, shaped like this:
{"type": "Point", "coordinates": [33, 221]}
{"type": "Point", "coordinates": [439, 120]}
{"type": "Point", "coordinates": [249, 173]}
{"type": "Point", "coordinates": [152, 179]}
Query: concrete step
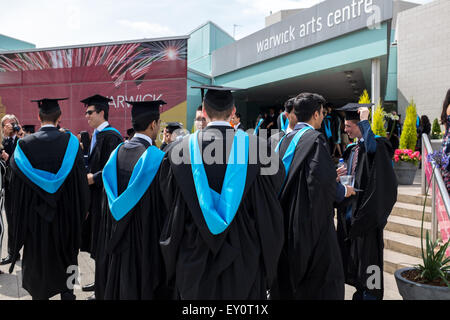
{"type": "Point", "coordinates": [413, 199]}
{"type": "Point", "coordinates": [402, 243]}
{"type": "Point", "coordinates": [407, 226]}
{"type": "Point", "coordinates": [394, 260]}
{"type": "Point", "coordinates": [411, 211]}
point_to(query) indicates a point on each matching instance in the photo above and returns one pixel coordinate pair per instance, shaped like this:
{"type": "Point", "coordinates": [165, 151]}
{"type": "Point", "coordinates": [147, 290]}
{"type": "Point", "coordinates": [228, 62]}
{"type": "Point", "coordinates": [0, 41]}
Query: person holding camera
{"type": "Point", "coordinates": [11, 129]}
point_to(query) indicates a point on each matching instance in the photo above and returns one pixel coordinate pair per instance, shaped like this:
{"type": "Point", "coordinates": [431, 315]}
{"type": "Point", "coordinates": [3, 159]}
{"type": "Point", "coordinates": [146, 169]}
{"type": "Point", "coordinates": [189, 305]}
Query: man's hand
{"type": "Point", "coordinates": [4, 155]}
{"type": "Point", "coordinates": [341, 171]}
{"type": "Point", "coordinates": [364, 113]}
{"type": "Point", "coordinates": [349, 191]}
{"type": "Point", "coordinates": [90, 178]}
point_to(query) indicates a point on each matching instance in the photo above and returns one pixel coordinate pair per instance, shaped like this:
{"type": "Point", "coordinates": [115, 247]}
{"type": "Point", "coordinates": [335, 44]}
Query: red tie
{"type": "Point", "coordinates": [355, 159]}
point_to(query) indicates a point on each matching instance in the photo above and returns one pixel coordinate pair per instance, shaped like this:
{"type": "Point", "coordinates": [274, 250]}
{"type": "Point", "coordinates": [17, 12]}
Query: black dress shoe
{"type": "Point", "coordinates": [6, 260]}
{"type": "Point", "coordinates": [89, 287]}
{"type": "Point", "coordinates": [91, 297]}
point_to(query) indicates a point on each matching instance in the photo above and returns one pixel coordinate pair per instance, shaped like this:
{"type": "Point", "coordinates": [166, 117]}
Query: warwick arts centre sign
{"type": "Point", "coordinates": [327, 20]}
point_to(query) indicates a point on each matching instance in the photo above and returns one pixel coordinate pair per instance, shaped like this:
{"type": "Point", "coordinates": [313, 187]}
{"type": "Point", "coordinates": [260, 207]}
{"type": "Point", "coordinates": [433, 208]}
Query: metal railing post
{"type": "Point", "coordinates": [423, 177]}
{"type": "Point", "coordinates": [434, 227]}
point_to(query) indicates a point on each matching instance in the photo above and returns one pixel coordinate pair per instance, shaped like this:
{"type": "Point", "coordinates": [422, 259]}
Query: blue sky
{"type": "Point", "coordinates": [50, 23]}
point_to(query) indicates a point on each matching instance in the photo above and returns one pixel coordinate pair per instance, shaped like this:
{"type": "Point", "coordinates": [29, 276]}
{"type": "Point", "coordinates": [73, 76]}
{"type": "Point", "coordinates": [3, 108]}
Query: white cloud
{"type": "Point", "coordinates": [147, 29]}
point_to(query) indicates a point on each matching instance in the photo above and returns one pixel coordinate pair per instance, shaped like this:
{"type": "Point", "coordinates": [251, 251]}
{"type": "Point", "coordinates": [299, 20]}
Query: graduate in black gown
{"type": "Point", "coordinates": [224, 231]}
{"type": "Point", "coordinates": [290, 120]}
{"type": "Point", "coordinates": [362, 218]}
{"type": "Point", "coordinates": [104, 140]}
{"type": "Point", "coordinates": [130, 264]}
{"type": "Point", "coordinates": [310, 265]}
{"type": "Point", "coordinates": [51, 198]}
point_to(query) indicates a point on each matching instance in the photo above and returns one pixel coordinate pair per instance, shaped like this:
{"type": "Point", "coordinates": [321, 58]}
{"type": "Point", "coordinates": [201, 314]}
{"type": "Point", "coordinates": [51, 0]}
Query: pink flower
{"type": "Point", "coordinates": [398, 152]}
{"type": "Point", "coordinates": [396, 158]}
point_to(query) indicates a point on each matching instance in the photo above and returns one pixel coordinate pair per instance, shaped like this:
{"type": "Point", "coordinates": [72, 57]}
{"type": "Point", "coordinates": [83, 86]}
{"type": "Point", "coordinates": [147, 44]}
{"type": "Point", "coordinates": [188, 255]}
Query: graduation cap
{"type": "Point", "coordinates": [172, 126]}
{"type": "Point", "coordinates": [351, 110]}
{"type": "Point", "coordinates": [96, 100]}
{"type": "Point", "coordinates": [142, 109]}
{"type": "Point", "coordinates": [48, 106]}
{"type": "Point", "coordinates": [217, 97]}
{"type": "Point", "coordinates": [29, 128]}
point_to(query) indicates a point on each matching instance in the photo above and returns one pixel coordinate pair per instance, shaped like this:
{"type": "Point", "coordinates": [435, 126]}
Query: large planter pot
{"type": "Point", "coordinates": [410, 290]}
{"type": "Point", "coordinates": [405, 171]}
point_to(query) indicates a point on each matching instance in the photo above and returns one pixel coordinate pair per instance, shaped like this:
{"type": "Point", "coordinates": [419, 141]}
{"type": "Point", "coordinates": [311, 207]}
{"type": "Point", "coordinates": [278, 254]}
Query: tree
{"type": "Point", "coordinates": [436, 132]}
{"type": "Point", "coordinates": [364, 98]}
{"type": "Point", "coordinates": [408, 138]}
{"type": "Point", "coordinates": [378, 123]}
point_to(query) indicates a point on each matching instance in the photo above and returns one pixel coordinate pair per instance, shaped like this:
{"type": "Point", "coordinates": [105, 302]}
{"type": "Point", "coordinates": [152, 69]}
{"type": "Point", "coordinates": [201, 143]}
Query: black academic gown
{"type": "Point", "coordinates": [240, 262]}
{"type": "Point", "coordinates": [361, 238]}
{"type": "Point", "coordinates": [107, 141]}
{"type": "Point", "coordinates": [275, 139]}
{"type": "Point", "coordinates": [129, 264]}
{"type": "Point", "coordinates": [310, 265]}
{"type": "Point", "coordinates": [47, 226]}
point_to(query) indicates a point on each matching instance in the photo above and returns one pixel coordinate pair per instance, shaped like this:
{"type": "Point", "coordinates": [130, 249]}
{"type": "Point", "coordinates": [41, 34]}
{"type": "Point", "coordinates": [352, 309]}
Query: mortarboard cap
{"type": "Point", "coordinates": [351, 110]}
{"type": "Point", "coordinates": [217, 97]}
{"type": "Point", "coordinates": [29, 128]}
{"type": "Point", "coordinates": [47, 105]}
{"type": "Point", "coordinates": [96, 100]}
{"type": "Point", "coordinates": [172, 126]}
{"type": "Point", "coordinates": [142, 109]}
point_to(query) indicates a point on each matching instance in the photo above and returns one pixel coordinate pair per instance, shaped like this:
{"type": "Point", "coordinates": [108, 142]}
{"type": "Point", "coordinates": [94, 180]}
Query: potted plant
{"type": "Point", "coordinates": [431, 279]}
{"type": "Point", "coordinates": [406, 160]}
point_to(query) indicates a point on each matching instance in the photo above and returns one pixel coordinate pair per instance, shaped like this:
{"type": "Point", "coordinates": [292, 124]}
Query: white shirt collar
{"type": "Point", "coordinates": [143, 136]}
{"type": "Point", "coordinates": [102, 126]}
{"type": "Point", "coordinates": [219, 123]}
{"type": "Point", "coordinates": [48, 126]}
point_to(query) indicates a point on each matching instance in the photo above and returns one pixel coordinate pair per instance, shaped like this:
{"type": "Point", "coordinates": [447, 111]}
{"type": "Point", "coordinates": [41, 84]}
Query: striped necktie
{"type": "Point", "coordinates": [355, 159]}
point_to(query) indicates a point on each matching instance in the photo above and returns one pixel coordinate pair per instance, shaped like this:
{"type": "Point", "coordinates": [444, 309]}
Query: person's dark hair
{"type": "Point", "coordinates": [200, 107]}
{"type": "Point", "coordinates": [49, 117]}
{"type": "Point", "coordinates": [98, 109]}
{"type": "Point", "coordinates": [130, 132]}
{"type": "Point", "coordinates": [214, 114]}
{"type": "Point", "coordinates": [426, 124]}
{"type": "Point", "coordinates": [289, 105]}
{"type": "Point", "coordinates": [306, 104]}
{"type": "Point", "coordinates": [141, 124]}
{"type": "Point", "coordinates": [444, 108]}
{"type": "Point", "coordinates": [237, 115]}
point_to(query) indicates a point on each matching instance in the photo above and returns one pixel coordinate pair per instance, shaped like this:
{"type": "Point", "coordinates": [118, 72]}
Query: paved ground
{"type": "Point", "coordinates": [11, 284]}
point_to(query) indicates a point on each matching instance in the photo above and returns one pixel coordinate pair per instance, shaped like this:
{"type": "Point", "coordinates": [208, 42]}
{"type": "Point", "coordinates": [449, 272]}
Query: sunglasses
{"type": "Point", "coordinates": [89, 112]}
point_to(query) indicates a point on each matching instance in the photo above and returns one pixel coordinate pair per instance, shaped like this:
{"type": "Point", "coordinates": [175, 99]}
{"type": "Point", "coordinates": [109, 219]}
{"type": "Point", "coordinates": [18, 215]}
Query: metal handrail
{"type": "Point", "coordinates": [437, 179]}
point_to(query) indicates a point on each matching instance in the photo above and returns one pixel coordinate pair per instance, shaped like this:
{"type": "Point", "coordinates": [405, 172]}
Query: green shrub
{"type": "Point", "coordinates": [436, 132]}
{"type": "Point", "coordinates": [408, 138]}
{"type": "Point", "coordinates": [378, 123]}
